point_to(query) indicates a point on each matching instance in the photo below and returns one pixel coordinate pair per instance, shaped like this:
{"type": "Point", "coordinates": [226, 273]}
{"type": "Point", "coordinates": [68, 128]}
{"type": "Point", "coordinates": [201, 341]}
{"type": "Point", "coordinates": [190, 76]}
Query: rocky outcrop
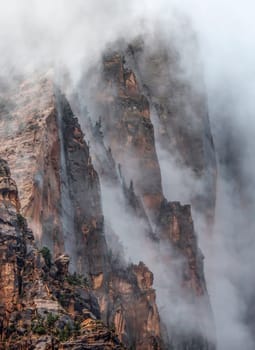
{"type": "Point", "coordinates": [42, 305]}
{"type": "Point", "coordinates": [70, 219]}
{"type": "Point", "coordinates": [132, 308]}
{"type": "Point", "coordinates": [8, 188]}
{"type": "Point", "coordinates": [175, 224]}
{"type": "Point", "coordinates": [180, 107]}
{"type": "Point", "coordinates": [90, 296]}
{"type": "Point", "coordinates": [142, 80]}
{"type": "Point", "coordinates": [128, 130]}
{"type": "Point", "coordinates": [82, 190]}
{"type": "Point", "coordinates": [29, 131]}
{"type": "Point", "coordinates": [59, 188]}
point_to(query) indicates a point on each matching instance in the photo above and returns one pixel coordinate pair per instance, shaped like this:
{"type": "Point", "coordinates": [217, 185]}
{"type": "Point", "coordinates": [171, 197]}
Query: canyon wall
{"type": "Point", "coordinates": [70, 181]}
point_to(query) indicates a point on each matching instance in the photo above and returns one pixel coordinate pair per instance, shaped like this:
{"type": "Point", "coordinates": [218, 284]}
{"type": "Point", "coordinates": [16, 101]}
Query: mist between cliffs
{"type": "Point", "coordinates": [227, 255]}
{"type": "Point", "coordinates": [133, 243]}
{"type": "Point", "coordinates": [224, 34]}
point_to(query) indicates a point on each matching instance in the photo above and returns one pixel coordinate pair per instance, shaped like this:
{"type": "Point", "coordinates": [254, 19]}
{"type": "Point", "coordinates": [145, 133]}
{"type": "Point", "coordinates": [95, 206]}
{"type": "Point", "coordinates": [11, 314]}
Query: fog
{"type": "Point", "coordinates": [35, 35]}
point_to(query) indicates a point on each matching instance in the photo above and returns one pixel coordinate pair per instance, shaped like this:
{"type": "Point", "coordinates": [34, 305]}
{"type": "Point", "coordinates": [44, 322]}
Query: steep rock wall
{"type": "Point", "coordinates": [128, 132]}
{"type": "Point", "coordinates": [75, 225]}
{"type": "Point", "coordinates": [177, 96]}
{"type": "Point", "coordinates": [42, 306]}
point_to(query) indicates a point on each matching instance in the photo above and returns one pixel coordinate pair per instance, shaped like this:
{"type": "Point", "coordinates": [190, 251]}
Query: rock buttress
{"type": "Point", "coordinates": [29, 131]}
{"type": "Point", "coordinates": [128, 130]}
{"type": "Point", "coordinates": [175, 225]}
{"type": "Point", "coordinates": [123, 128]}
{"type": "Point", "coordinates": [59, 188]}
{"type": "Point", "coordinates": [71, 197]}
{"type": "Point", "coordinates": [84, 194]}
{"type": "Point", "coordinates": [41, 304]}
{"type": "Point", "coordinates": [182, 120]}
{"type": "Point", "coordinates": [130, 307]}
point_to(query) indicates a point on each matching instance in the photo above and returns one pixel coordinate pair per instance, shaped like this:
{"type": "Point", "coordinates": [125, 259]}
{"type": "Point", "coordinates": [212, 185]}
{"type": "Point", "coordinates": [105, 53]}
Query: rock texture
{"type": "Point", "coordinates": [75, 226]}
{"type": "Point", "coordinates": [29, 131]}
{"type": "Point", "coordinates": [132, 308]}
{"type": "Point", "coordinates": [126, 128]}
{"type": "Point", "coordinates": [175, 224]}
{"type": "Point", "coordinates": [59, 188]}
{"type": "Point", "coordinates": [42, 306]}
{"type": "Point", "coordinates": [75, 292]}
{"type": "Point", "coordinates": [125, 115]}
{"type": "Point", "coordinates": [180, 107]}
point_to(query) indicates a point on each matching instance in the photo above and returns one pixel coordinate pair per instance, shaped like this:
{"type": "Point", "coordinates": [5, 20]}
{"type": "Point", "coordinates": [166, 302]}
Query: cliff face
{"type": "Point", "coordinates": [75, 226]}
{"type": "Point", "coordinates": [60, 196]}
{"type": "Point", "coordinates": [29, 132]}
{"type": "Point", "coordinates": [145, 99]}
{"type": "Point", "coordinates": [175, 224]}
{"type": "Point", "coordinates": [42, 306]}
{"type": "Point", "coordinates": [179, 104]}
{"type": "Point", "coordinates": [126, 131]}
{"type": "Point", "coordinates": [59, 188]}
{"type": "Point", "coordinates": [132, 308]}
{"type": "Point", "coordinates": [125, 115]}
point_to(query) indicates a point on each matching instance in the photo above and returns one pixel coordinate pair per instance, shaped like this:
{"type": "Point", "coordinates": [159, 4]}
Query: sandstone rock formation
{"type": "Point", "coordinates": [42, 306]}
{"type": "Point", "coordinates": [126, 128]}
{"type": "Point", "coordinates": [45, 151]}
{"type": "Point", "coordinates": [92, 297]}
{"type": "Point", "coordinates": [75, 225]}
{"type": "Point", "coordinates": [175, 224]}
{"type": "Point", "coordinates": [180, 107]}
{"type": "Point", "coordinates": [130, 308]}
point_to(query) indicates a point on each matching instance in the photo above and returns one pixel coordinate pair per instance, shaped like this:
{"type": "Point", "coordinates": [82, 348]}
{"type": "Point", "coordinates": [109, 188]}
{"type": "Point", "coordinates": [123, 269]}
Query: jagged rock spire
{"type": "Point", "coordinates": [8, 188]}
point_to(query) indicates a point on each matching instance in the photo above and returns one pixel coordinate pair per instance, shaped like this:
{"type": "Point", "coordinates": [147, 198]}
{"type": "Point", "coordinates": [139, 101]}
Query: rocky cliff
{"type": "Point", "coordinates": [70, 216]}
{"type": "Point", "coordinates": [46, 149]}
{"type": "Point", "coordinates": [179, 103]}
{"type": "Point", "coordinates": [128, 131]}
{"type": "Point", "coordinates": [92, 294]}
{"type": "Point", "coordinates": [125, 131]}
{"type": "Point", "coordinates": [42, 305]}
